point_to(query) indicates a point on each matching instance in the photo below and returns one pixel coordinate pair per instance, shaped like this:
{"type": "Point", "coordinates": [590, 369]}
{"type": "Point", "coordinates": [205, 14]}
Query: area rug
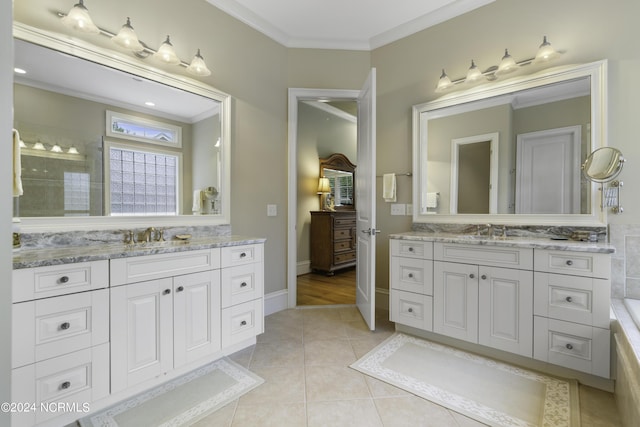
{"type": "Point", "coordinates": [484, 389]}
{"type": "Point", "coordinates": [182, 401]}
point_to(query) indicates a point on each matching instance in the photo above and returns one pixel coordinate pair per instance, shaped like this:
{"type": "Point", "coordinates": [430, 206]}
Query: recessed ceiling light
{"type": "Point", "coordinates": [150, 104]}
{"type": "Point", "coordinates": [19, 71]}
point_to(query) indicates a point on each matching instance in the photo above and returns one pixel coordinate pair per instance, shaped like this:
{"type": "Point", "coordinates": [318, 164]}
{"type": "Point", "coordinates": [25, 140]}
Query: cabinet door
{"type": "Point", "coordinates": [455, 300]}
{"type": "Point", "coordinates": [505, 318]}
{"type": "Point", "coordinates": [197, 316]}
{"type": "Point", "coordinates": [141, 332]}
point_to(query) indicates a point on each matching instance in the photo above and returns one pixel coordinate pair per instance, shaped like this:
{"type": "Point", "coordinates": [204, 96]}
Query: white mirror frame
{"type": "Point", "coordinates": [597, 71]}
{"type": "Point", "coordinates": [121, 62]}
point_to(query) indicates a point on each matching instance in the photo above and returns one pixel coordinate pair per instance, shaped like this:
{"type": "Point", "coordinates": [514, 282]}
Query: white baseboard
{"type": "Point", "coordinates": [276, 301]}
{"type": "Point", "coordinates": [303, 267]}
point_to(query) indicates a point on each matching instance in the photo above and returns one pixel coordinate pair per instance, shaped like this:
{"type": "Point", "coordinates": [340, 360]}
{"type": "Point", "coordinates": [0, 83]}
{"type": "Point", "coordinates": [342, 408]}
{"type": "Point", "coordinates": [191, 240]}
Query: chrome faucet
{"type": "Point", "coordinates": [490, 231]}
{"type": "Point", "coordinates": [148, 234]}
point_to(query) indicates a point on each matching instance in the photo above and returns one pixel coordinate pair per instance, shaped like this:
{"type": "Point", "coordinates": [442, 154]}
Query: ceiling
{"type": "Point", "coordinates": [343, 24]}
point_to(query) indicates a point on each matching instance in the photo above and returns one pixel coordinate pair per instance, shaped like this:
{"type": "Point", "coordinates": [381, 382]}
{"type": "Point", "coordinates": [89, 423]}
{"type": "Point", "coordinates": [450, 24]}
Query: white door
{"type": "Point", "coordinates": [548, 171]}
{"type": "Point", "coordinates": [142, 314]}
{"type": "Point", "coordinates": [505, 318]}
{"type": "Point", "coordinates": [455, 300]}
{"type": "Point", "coordinates": [196, 309]}
{"type": "Point", "coordinates": [366, 197]}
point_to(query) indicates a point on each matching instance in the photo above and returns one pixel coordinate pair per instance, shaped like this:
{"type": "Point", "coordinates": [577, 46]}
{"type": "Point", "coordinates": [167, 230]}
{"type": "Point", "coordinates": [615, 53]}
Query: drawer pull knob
{"type": "Point", "coordinates": [166, 292]}
{"type": "Point", "coordinates": [483, 277]}
{"type": "Point", "coordinates": [243, 255]}
{"type": "Point", "coordinates": [569, 262]}
{"type": "Point", "coordinates": [65, 326]}
{"type": "Point", "coordinates": [64, 279]}
{"type": "Point", "coordinates": [243, 284]}
{"type": "Point", "coordinates": [410, 275]}
{"type": "Point", "coordinates": [65, 385]}
{"type": "Point", "coordinates": [410, 249]}
{"type": "Point", "coordinates": [243, 323]}
{"type": "Point", "coordinates": [410, 310]}
{"type": "Point", "coordinates": [569, 299]}
{"type": "Point", "coordinates": [472, 275]}
{"type": "Point", "coordinates": [569, 346]}
{"type": "Point", "coordinates": [180, 289]}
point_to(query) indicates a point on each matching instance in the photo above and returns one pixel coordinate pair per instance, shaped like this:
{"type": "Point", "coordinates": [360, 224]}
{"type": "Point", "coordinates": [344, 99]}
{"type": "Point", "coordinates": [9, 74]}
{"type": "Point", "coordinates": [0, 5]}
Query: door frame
{"type": "Point", "coordinates": [296, 95]}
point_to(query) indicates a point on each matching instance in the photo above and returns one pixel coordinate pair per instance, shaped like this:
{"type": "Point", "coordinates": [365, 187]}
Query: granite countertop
{"type": "Point", "coordinates": [510, 241]}
{"type": "Point", "coordinates": [28, 258]}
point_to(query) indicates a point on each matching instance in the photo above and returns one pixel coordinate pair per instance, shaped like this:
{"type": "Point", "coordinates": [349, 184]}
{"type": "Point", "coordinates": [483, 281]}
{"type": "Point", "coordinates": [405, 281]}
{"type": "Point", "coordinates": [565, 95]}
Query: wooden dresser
{"type": "Point", "coordinates": [333, 240]}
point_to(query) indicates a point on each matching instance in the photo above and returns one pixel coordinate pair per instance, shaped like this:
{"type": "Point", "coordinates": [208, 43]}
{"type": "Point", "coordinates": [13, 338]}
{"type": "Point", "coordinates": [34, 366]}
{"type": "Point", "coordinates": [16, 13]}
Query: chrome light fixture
{"type": "Point", "coordinates": [78, 19]}
{"type": "Point", "coordinates": [507, 65]}
{"type": "Point", "coordinates": [198, 66]}
{"type": "Point", "coordinates": [166, 53]}
{"type": "Point", "coordinates": [127, 38]}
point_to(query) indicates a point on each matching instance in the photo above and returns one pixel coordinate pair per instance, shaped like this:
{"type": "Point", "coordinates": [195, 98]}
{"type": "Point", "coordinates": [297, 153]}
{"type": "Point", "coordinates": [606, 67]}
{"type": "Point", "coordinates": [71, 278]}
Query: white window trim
{"type": "Point", "coordinates": [113, 116]}
{"type": "Point", "coordinates": [135, 147]}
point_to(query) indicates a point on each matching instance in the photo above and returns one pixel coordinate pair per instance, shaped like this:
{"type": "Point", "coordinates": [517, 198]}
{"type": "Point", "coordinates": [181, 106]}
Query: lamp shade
{"type": "Point", "coordinates": [474, 74]}
{"type": "Point", "coordinates": [78, 19]}
{"type": "Point", "coordinates": [444, 83]}
{"type": "Point", "coordinates": [198, 66]}
{"type": "Point", "coordinates": [166, 53]}
{"type": "Point", "coordinates": [507, 65]}
{"type": "Point", "coordinates": [127, 38]}
{"type": "Point", "coordinates": [546, 52]}
{"type": "Point", "coordinates": [323, 186]}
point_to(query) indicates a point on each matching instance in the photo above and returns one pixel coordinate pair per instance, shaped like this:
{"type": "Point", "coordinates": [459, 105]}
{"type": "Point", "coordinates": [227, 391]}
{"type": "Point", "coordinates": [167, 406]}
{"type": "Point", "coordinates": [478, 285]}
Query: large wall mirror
{"type": "Point", "coordinates": [110, 142]}
{"type": "Point", "coordinates": [339, 171]}
{"type": "Point", "coordinates": [511, 151]}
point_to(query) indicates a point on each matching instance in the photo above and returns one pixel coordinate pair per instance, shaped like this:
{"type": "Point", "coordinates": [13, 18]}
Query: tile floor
{"type": "Point", "coordinates": [304, 357]}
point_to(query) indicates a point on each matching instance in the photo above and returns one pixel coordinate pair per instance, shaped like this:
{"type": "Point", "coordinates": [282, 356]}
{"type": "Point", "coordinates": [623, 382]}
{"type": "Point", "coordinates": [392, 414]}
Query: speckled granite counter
{"type": "Point", "coordinates": [519, 242]}
{"type": "Point", "coordinates": [27, 258]}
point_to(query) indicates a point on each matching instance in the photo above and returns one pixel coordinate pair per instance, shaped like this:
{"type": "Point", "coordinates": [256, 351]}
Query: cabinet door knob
{"type": "Point", "coordinates": [166, 292]}
{"type": "Point", "coordinates": [569, 346]}
{"type": "Point", "coordinates": [410, 249]}
{"type": "Point", "coordinates": [64, 279]}
{"type": "Point", "coordinates": [410, 275]}
{"type": "Point", "coordinates": [472, 275]}
{"type": "Point", "coordinates": [180, 289]}
{"type": "Point", "coordinates": [569, 299]}
{"type": "Point", "coordinates": [243, 255]}
{"type": "Point", "coordinates": [65, 385]}
{"type": "Point", "coordinates": [65, 325]}
{"type": "Point", "coordinates": [483, 277]}
{"type": "Point", "coordinates": [243, 323]}
{"type": "Point", "coordinates": [569, 262]}
{"type": "Point", "coordinates": [243, 284]}
{"type": "Point", "coordinates": [410, 310]}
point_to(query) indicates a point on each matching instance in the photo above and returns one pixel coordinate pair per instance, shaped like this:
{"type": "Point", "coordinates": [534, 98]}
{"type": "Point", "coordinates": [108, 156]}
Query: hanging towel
{"type": "Point", "coordinates": [197, 202]}
{"type": "Point", "coordinates": [17, 166]}
{"type": "Point", "coordinates": [389, 187]}
{"type": "Point", "coordinates": [432, 200]}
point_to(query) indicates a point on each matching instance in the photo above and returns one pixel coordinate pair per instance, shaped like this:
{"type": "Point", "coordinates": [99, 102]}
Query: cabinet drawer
{"type": "Point", "coordinates": [574, 263]}
{"type": "Point", "coordinates": [575, 299]}
{"type": "Point", "coordinates": [344, 222]}
{"type": "Point", "coordinates": [150, 267]}
{"type": "Point", "coordinates": [412, 275]}
{"type": "Point", "coordinates": [342, 233]}
{"type": "Point", "coordinates": [344, 257]}
{"type": "Point", "coordinates": [242, 322]}
{"type": "Point", "coordinates": [54, 326]}
{"type": "Point", "coordinates": [496, 256]}
{"type": "Point", "coordinates": [242, 283]}
{"type": "Point", "coordinates": [411, 309]}
{"type": "Point", "coordinates": [411, 248]}
{"type": "Point", "coordinates": [239, 255]}
{"type": "Point", "coordinates": [580, 347]}
{"type": "Point", "coordinates": [49, 281]}
{"type": "Point", "coordinates": [343, 245]}
{"type": "Point", "coordinates": [78, 378]}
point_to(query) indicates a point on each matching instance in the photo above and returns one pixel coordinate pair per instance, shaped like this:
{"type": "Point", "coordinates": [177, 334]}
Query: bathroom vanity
{"type": "Point", "coordinates": [536, 298]}
{"type": "Point", "coordinates": [125, 319]}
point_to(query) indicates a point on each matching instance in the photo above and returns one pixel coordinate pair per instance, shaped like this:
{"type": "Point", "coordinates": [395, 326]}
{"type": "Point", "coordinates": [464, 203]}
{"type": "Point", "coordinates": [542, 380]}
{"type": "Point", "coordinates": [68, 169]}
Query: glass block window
{"type": "Point", "coordinates": [142, 182]}
{"type": "Point", "coordinates": [76, 193]}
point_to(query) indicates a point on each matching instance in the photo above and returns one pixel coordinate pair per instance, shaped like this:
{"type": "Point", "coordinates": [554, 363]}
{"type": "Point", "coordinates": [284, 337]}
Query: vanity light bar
{"type": "Point", "coordinates": [507, 65]}
{"type": "Point", "coordinates": [127, 38]}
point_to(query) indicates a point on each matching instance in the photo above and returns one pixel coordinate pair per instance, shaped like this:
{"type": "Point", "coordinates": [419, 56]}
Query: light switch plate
{"type": "Point", "coordinates": [398, 209]}
{"type": "Point", "coordinates": [409, 209]}
{"type": "Point", "coordinates": [272, 210]}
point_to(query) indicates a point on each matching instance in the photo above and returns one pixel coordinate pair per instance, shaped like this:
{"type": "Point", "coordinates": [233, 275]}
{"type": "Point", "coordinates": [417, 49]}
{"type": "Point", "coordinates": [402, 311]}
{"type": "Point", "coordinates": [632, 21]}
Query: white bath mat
{"type": "Point", "coordinates": [484, 389]}
{"type": "Point", "coordinates": [182, 401]}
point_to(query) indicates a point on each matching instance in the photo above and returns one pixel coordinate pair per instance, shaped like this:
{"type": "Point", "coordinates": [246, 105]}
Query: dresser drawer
{"type": "Point", "coordinates": [50, 327]}
{"type": "Point", "coordinates": [150, 267]}
{"type": "Point", "coordinates": [412, 275]}
{"type": "Point", "coordinates": [575, 299]}
{"type": "Point", "coordinates": [411, 309]}
{"type": "Point", "coordinates": [239, 255]}
{"type": "Point", "coordinates": [574, 263]}
{"type": "Point", "coordinates": [75, 379]}
{"type": "Point", "coordinates": [44, 282]}
{"type": "Point", "coordinates": [495, 256]}
{"type": "Point", "coordinates": [580, 347]}
{"type": "Point", "coordinates": [242, 283]}
{"type": "Point", "coordinates": [343, 233]}
{"type": "Point", "coordinates": [242, 322]}
{"type": "Point", "coordinates": [344, 222]}
{"type": "Point", "coordinates": [411, 248]}
{"type": "Point", "coordinates": [343, 245]}
{"type": "Point", "coordinates": [343, 257]}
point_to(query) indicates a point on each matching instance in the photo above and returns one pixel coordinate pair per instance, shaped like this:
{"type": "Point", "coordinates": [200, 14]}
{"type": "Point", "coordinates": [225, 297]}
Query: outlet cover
{"type": "Point", "coordinates": [272, 210]}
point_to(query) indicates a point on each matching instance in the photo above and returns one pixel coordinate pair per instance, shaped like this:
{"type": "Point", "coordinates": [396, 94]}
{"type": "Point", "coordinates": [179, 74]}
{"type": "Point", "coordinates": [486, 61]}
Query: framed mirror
{"type": "Point", "coordinates": [110, 142]}
{"type": "Point", "coordinates": [339, 170]}
{"type": "Point", "coordinates": [511, 151]}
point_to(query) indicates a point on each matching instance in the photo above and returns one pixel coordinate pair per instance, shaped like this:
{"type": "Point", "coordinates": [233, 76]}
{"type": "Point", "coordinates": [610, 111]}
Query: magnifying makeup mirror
{"type": "Point", "coordinates": [603, 166]}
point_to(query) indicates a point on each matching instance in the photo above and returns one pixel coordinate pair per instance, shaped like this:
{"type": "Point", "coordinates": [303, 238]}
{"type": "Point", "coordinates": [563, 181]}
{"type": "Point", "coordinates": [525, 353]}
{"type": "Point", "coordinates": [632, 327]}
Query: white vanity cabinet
{"type": "Point", "coordinates": [411, 283]}
{"type": "Point", "coordinates": [572, 305]}
{"type": "Point", "coordinates": [483, 294]}
{"type": "Point", "coordinates": [60, 337]}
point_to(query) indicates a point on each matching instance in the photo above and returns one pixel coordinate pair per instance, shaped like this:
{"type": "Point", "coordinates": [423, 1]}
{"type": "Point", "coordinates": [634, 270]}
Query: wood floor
{"type": "Point", "coordinates": [320, 289]}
